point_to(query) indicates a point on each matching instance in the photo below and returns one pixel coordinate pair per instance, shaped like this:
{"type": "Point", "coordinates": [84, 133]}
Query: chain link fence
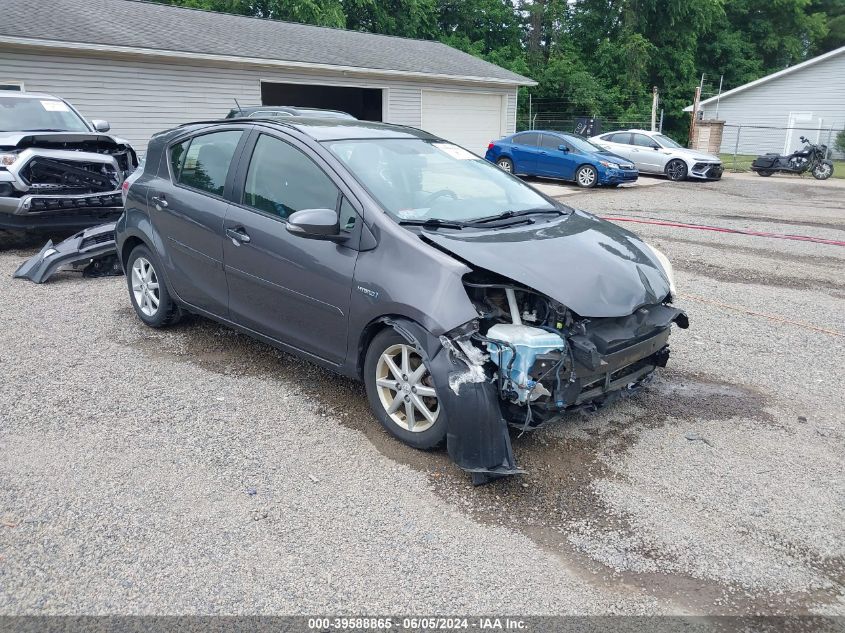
{"type": "Point", "coordinates": [742, 143]}
{"type": "Point", "coordinates": [557, 123]}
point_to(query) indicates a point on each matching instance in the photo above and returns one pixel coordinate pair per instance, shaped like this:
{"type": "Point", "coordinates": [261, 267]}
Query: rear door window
{"type": "Point", "coordinates": [621, 137]}
{"type": "Point", "coordinates": [202, 162]}
{"type": "Point", "coordinates": [281, 180]}
{"type": "Point", "coordinates": [529, 138]}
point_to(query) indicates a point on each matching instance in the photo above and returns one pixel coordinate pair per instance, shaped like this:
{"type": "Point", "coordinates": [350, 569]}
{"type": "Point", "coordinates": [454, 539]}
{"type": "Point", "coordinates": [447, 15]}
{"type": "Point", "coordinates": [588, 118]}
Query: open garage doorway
{"type": "Point", "coordinates": [362, 103]}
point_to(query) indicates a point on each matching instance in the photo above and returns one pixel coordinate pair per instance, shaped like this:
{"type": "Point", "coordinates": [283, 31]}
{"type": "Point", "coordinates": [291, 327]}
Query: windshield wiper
{"type": "Point", "coordinates": [515, 214]}
{"type": "Point", "coordinates": [434, 223]}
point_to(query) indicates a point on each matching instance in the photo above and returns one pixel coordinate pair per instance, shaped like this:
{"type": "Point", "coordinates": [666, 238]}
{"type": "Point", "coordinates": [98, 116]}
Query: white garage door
{"type": "Point", "coordinates": [467, 119]}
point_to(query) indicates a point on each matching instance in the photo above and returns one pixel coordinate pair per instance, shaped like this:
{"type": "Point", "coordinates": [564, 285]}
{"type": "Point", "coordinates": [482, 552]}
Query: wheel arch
{"type": "Point", "coordinates": [371, 330]}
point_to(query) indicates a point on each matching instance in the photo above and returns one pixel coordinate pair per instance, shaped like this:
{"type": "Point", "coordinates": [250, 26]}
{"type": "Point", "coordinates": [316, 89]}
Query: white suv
{"type": "Point", "coordinates": [656, 153]}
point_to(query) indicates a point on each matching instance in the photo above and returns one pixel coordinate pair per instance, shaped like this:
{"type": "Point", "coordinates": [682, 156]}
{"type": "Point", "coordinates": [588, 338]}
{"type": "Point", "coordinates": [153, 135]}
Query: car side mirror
{"type": "Point", "coordinates": [655, 146]}
{"type": "Point", "coordinates": [316, 224]}
{"type": "Point", "coordinates": [100, 125]}
{"type": "Point", "coordinates": [563, 148]}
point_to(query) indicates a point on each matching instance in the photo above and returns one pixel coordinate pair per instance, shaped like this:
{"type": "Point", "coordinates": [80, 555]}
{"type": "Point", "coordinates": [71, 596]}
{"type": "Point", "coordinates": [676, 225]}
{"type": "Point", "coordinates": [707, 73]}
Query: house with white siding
{"type": "Point", "coordinates": [772, 113]}
{"type": "Point", "coordinates": [147, 67]}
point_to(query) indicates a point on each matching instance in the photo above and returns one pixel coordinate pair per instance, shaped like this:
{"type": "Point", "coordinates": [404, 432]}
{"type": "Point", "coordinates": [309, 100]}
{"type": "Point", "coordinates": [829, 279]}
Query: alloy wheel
{"type": "Point", "coordinates": [586, 177]}
{"type": "Point", "coordinates": [822, 171]}
{"type": "Point", "coordinates": [505, 165]}
{"type": "Point", "coordinates": [406, 389]}
{"type": "Point", "coordinates": [145, 286]}
{"type": "Point", "coordinates": [676, 170]}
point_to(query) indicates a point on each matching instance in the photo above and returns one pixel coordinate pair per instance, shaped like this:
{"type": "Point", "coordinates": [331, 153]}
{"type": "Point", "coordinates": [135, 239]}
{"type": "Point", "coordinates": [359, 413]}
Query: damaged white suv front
{"type": "Point", "coordinates": [57, 171]}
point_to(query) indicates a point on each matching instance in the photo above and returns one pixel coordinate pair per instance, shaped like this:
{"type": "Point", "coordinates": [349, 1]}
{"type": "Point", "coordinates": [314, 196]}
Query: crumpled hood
{"type": "Point", "coordinates": [592, 266]}
{"type": "Point", "coordinates": [27, 139]}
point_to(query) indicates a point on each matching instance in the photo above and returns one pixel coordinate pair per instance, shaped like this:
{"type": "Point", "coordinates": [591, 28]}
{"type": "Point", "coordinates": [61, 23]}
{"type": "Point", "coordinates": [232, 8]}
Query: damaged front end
{"type": "Point", "coordinates": [93, 251]}
{"type": "Point", "coordinates": [528, 358]}
{"type": "Point", "coordinates": [61, 181]}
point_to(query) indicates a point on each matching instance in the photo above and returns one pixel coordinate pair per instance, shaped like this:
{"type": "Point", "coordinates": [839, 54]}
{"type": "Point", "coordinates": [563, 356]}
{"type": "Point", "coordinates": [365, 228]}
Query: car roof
{"type": "Point", "coordinates": [28, 95]}
{"type": "Point", "coordinates": [325, 129]}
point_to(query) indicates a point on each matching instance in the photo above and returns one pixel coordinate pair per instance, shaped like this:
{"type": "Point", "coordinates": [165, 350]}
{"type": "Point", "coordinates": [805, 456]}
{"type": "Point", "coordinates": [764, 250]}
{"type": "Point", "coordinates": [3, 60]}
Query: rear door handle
{"type": "Point", "coordinates": [238, 236]}
{"type": "Point", "coordinates": [159, 202]}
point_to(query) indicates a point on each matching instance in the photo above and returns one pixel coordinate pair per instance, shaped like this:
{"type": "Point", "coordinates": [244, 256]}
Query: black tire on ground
{"type": "Point", "coordinates": [424, 440]}
{"type": "Point", "coordinates": [586, 176]}
{"type": "Point", "coordinates": [823, 171]}
{"type": "Point", "coordinates": [166, 312]}
{"type": "Point", "coordinates": [505, 164]}
{"type": "Point", "coordinates": [676, 169]}
{"type": "Point", "coordinates": [765, 173]}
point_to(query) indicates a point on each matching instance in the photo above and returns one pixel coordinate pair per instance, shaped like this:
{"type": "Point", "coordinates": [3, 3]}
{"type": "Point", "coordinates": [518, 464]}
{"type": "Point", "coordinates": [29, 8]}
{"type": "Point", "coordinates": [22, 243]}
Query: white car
{"type": "Point", "coordinates": [656, 153]}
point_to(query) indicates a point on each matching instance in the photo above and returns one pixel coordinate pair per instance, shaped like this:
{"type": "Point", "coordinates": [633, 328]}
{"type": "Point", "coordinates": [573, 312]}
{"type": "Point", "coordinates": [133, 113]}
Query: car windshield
{"type": "Point", "coordinates": [665, 141]}
{"type": "Point", "coordinates": [581, 144]}
{"type": "Point", "coordinates": [415, 179]}
{"type": "Point", "coordinates": [28, 115]}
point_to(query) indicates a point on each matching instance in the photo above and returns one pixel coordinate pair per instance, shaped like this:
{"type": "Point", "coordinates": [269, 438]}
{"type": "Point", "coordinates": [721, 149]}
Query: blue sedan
{"type": "Point", "coordinates": [560, 155]}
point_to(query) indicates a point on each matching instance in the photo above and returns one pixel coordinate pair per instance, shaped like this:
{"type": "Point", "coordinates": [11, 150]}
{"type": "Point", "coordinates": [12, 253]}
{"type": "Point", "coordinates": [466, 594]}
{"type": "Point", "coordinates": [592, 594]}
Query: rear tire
{"type": "Point", "coordinates": [505, 164]}
{"type": "Point", "coordinates": [147, 290]}
{"type": "Point", "coordinates": [765, 173]}
{"type": "Point", "coordinates": [676, 170]}
{"type": "Point", "coordinates": [407, 379]}
{"type": "Point", "coordinates": [586, 176]}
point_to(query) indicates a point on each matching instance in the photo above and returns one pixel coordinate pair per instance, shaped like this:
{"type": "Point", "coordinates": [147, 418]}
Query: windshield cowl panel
{"type": "Point", "coordinates": [417, 180]}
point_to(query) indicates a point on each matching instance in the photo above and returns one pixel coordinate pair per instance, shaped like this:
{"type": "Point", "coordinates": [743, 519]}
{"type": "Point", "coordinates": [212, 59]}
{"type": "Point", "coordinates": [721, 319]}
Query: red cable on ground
{"type": "Point", "coordinates": [721, 229]}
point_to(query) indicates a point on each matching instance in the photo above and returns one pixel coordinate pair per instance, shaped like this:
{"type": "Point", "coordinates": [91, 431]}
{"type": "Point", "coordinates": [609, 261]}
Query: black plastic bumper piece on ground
{"type": "Point", "coordinates": [87, 247]}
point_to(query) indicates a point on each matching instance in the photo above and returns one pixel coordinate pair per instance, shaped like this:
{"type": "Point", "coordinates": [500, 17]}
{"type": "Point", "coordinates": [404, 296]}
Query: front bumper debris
{"type": "Point", "coordinates": [93, 250]}
{"type": "Point", "coordinates": [707, 171]}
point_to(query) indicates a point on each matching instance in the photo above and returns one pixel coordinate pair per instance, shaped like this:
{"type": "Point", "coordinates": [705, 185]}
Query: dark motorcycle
{"type": "Point", "coordinates": [812, 158]}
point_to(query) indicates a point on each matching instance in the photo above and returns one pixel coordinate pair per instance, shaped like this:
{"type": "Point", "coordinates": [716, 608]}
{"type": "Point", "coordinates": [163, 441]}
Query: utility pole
{"type": "Point", "coordinates": [654, 99]}
{"type": "Point", "coordinates": [694, 119]}
{"type": "Point", "coordinates": [719, 96]}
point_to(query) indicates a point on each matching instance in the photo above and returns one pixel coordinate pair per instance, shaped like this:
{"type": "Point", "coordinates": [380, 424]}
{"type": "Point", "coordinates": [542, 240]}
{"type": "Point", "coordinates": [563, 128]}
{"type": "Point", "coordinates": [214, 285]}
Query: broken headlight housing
{"type": "Point", "coordinates": [666, 265]}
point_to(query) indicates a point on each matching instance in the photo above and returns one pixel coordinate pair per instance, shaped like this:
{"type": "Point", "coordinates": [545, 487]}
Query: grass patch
{"type": "Point", "coordinates": [743, 163]}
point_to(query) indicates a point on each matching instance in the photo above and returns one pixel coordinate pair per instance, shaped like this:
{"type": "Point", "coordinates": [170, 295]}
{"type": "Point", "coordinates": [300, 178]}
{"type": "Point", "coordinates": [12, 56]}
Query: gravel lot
{"type": "Point", "coordinates": [194, 470]}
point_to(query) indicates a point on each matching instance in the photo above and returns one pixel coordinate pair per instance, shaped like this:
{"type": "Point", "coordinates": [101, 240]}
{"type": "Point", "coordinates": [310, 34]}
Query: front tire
{"type": "Point", "coordinates": [586, 176]}
{"type": "Point", "coordinates": [505, 164]}
{"type": "Point", "coordinates": [401, 391]}
{"type": "Point", "coordinates": [147, 290]}
{"type": "Point", "coordinates": [676, 170]}
{"type": "Point", "coordinates": [822, 171]}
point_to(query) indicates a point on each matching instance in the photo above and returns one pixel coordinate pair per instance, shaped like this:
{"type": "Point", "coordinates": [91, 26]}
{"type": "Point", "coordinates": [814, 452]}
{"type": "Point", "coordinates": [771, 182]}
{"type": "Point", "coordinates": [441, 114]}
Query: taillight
{"type": "Point", "coordinates": [491, 145]}
{"type": "Point", "coordinates": [124, 190]}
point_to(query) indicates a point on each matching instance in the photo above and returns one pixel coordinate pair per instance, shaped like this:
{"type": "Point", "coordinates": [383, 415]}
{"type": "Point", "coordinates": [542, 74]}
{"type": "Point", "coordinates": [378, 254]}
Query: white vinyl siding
{"type": "Point", "coordinates": [811, 97]}
{"type": "Point", "coordinates": [140, 97]}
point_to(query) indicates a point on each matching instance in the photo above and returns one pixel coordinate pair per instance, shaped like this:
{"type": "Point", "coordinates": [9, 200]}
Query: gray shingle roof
{"type": "Point", "coordinates": [136, 24]}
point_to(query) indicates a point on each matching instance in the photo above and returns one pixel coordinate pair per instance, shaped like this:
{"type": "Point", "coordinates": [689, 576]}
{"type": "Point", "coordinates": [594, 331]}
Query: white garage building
{"type": "Point", "coordinates": [147, 67]}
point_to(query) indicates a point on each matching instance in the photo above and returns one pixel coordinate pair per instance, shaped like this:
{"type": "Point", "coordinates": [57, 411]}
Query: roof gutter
{"type": "Point", "coordinates": [256, 61]}
{"type": "Point", "coordinates": [775, 75]}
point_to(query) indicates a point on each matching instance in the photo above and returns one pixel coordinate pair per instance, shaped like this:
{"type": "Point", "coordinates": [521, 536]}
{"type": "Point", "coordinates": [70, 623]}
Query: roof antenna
{"type": "Point", "coordinates": [237, 104]}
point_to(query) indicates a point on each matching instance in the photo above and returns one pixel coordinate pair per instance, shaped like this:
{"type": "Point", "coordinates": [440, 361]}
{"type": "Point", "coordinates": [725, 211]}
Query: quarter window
{"type": "Point", "coordinates": [202, 162]}
{"type": "Point", "coordinates": [282, 180]}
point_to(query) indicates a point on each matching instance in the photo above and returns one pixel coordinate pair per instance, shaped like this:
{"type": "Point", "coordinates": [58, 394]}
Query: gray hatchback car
{"type": "Point", "coordinates": [465, 300]}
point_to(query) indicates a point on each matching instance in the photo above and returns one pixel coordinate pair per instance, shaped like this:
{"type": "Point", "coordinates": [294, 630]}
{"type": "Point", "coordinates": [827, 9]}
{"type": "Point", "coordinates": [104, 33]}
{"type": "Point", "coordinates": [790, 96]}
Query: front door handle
{"type": "Point", "coordinates": [159, 202]}
{"type": "Point", "coordinates": [238, 236]}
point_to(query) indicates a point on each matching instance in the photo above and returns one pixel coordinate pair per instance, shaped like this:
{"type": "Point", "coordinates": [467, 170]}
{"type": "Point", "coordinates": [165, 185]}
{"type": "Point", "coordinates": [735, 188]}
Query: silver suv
{"type": "Point", "coordinates": [57, 170]}
{"type": "Point", "coordinates": [656, 153]}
